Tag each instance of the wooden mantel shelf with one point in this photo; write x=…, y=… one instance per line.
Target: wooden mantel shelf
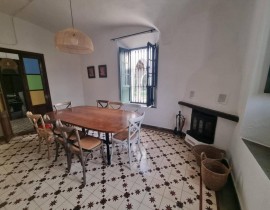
x=224, y=115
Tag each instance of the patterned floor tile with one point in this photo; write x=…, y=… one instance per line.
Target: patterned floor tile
x=152, y=200
x=129, y=204
x=115, y=199
x=167, y=204
x=93, y=203
x=166, y=176
x=190, y=201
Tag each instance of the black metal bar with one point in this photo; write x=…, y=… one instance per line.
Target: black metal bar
x=107, y=142
x=211, y=111
x=143, y=32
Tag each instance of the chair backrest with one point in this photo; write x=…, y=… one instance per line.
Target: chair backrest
x=131, y=107
x=62, y=105
x=143, y=109
x=102, y=103
x=36, y=119
x=38, y=124
x=59, y=126
x=67, y=132
x=115, y=105
x=134, y=127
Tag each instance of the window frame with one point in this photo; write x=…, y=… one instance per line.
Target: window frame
x=151, y=73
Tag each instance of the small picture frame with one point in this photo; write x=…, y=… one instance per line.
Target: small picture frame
x=102, y=71
x=91, y=72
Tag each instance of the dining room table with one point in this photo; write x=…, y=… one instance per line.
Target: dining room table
x=103, y=120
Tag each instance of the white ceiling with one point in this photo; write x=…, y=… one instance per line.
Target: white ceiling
x=92, y=15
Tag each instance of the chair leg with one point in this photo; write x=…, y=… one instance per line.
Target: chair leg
x=67, y=154
x=102, y=153
x=112, y=150
x=129, y=155
x=56, y=150
x=83, y=167
x=48, y=147
x=69, y=160
x=140, y=148
x=39, y=144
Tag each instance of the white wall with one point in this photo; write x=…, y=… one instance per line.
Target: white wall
x=210, y=47
x=252, y=185
x=197, y=51
x=63, y=70
x=256, y=122
x=201, y=49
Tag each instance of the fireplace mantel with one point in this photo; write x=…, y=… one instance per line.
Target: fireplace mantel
x=224, y=115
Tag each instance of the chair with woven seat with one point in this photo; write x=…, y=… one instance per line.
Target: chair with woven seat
x=129, y=135
x=131, y=107
x=114, y=105
x=62, y=105
x=81, y=147
x=55, y=124
x=43, y=130
x=102, y=103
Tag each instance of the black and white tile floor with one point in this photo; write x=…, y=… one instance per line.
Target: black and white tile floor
x=166, y=177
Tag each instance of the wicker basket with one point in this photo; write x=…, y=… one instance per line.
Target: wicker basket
x=214, y=173
x=210, y=152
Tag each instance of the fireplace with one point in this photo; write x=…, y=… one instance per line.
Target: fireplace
x=203, y=126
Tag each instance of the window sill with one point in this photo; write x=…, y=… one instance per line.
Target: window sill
x=261, y=154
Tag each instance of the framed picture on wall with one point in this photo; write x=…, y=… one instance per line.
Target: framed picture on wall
x=91, y=71
x=102, y=71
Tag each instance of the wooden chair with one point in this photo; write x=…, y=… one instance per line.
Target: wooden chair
x=129, y=135
x=80, y=147
x=131, y=107
x=55, y=124
x=62, y=105
x=43, y=130
x=102, y=103
x=114, y=105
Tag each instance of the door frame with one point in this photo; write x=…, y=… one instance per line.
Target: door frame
x=40, y=57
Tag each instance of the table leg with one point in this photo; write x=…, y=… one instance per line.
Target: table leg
x=108, y=148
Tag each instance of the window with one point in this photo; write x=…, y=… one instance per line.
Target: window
x=138, y=74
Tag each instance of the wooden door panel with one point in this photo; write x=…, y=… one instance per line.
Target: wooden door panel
x=35, y=81
x=38, y=94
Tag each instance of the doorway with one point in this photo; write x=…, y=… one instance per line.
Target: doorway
x=24, y=87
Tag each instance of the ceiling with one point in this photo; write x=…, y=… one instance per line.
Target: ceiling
x=91, y=15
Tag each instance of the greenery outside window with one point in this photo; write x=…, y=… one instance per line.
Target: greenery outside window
x=138, y=74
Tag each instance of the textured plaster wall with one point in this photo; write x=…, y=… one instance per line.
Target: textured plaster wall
x=252, y=184
x=63, y=70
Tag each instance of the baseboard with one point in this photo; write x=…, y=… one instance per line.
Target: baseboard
x=157, y=128
x=227, y=198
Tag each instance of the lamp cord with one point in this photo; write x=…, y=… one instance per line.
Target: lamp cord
x=71, y=14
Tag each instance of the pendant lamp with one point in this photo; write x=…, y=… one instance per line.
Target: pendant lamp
x=7, y=63
x=71, y=40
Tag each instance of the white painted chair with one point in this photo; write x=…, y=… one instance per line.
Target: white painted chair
x=130, y=107
x=114, y=105
x=129, y=135
x=62, y=105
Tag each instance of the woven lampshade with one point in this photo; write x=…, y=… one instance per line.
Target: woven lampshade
x=7, y=63
x=71, y=40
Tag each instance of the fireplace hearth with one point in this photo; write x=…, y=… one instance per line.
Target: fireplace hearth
x=203, y=127
x=203, y=124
